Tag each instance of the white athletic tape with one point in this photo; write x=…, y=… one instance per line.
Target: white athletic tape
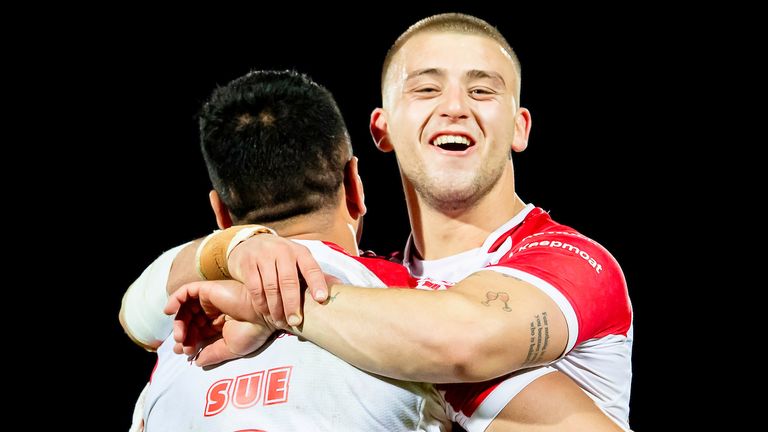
x=145, y=300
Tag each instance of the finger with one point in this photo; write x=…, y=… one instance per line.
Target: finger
x=199, y=319
x=252, y=281
x=180, y=325
x=189, y=345
x=247, y=270
x=194, y=307
x=312, y=273
x=290, y=289
x=185, y=294
x=179, y=331
x=178, y=348
x=214, y=353
x=268, y=271
x=175, y=300
x=256, y=291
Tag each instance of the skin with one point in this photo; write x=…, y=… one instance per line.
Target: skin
x=432, y=93
x=455, y=200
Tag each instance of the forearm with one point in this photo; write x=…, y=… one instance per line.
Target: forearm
x=184, y=268
x=443, y=336
x=367, y=329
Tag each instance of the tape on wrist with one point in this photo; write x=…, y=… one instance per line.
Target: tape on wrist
x=246, y=233
x=212, y=254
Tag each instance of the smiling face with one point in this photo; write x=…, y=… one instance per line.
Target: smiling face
x=451, y=114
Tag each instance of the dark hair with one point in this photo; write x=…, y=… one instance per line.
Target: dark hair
x=275, y=145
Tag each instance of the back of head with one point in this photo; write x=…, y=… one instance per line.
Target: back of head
x=449, y=23
x=275, y=145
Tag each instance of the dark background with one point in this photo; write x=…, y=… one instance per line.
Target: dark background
x=596, y=157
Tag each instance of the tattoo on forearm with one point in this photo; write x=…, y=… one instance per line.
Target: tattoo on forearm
x=330, y=299
x=539, y=339
x=497, y=295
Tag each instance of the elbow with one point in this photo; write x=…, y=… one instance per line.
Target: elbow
x=470, y=362
x=479, y=352
x=462, y=365
x=471, y=356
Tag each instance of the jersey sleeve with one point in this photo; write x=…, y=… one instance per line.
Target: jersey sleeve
x=392, y=274
x=475, y=405
x=145, y=300
x=580, y=275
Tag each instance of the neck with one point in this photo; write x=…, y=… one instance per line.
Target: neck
x=325, y=227
x=438, y=234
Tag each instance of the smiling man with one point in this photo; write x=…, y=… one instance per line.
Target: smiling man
x=524, y=291
x=510, y=288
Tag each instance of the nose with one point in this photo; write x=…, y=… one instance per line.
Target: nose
x=454, y=104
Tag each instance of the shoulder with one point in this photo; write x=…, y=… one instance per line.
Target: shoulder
x=387, y=268
x=539, y=237
x=564, y=262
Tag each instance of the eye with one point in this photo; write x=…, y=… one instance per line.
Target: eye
x=427, y=90
x=481, y=92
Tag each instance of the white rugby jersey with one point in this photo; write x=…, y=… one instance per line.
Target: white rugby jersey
x=293, y=385
x=583, y=279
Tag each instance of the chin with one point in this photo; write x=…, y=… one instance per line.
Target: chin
x=450, y=197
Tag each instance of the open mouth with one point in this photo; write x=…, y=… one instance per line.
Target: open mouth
x=456, y=143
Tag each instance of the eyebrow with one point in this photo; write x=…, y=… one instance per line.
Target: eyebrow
x=426, y=71
x=472, y=74
x=481, y=74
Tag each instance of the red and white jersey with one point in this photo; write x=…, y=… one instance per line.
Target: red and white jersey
x=583, y=279
x=293, y=385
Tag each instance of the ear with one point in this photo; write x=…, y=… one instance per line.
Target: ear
x=353, y=188
x=379, y=130
x=522, y=129
x=223, y=218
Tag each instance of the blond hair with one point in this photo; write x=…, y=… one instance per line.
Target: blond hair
x=450, y=23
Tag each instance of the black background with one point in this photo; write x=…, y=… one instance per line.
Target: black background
x=593, y=87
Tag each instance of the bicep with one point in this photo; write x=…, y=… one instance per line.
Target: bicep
x=141, y=312
x=552, y=402
x=522, y=325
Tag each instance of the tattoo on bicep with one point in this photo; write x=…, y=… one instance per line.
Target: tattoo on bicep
x=497, y=295
x=539, y=339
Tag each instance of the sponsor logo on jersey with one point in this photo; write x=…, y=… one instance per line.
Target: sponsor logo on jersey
x=562, y=245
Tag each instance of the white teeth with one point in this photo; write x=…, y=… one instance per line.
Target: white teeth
x=451, y=139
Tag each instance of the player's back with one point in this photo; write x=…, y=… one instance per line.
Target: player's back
x=291, y=384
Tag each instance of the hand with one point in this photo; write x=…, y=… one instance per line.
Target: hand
x=267, y=265
x=215, y=320
x=192, y=328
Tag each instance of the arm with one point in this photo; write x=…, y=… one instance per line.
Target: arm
x=183, y=270
x=548, y=400
x=552, y=402
x=485, y=326
x=141, y=312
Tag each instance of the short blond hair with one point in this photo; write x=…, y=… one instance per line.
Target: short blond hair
x=450, y=23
